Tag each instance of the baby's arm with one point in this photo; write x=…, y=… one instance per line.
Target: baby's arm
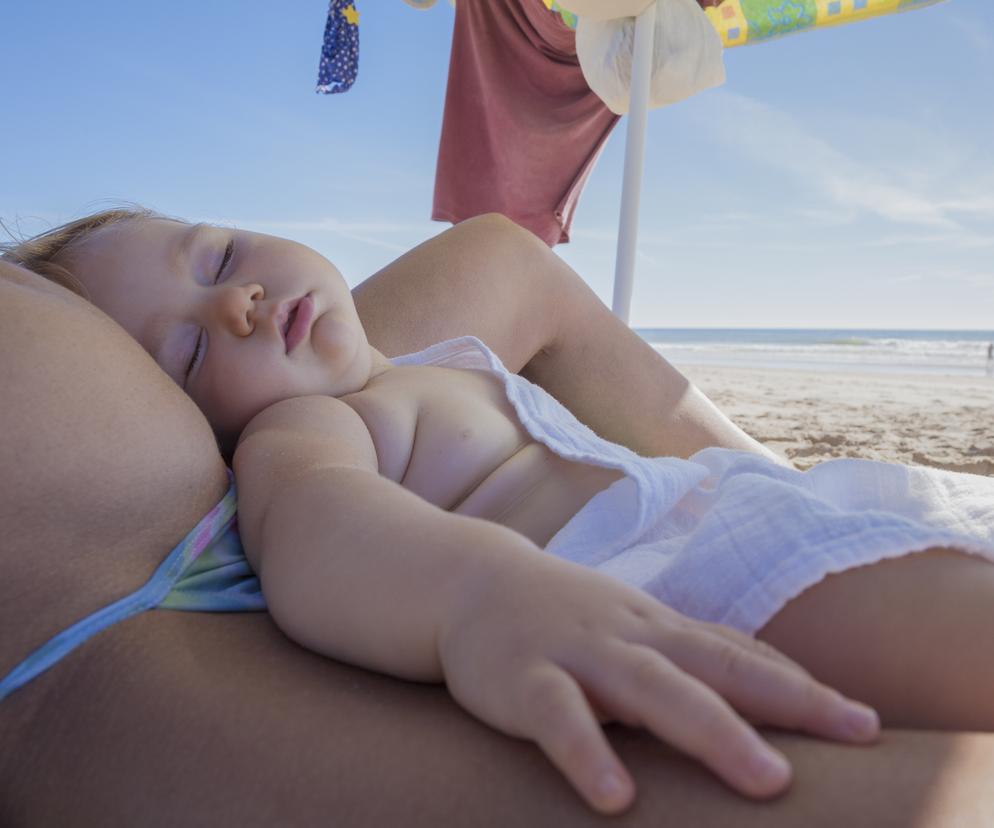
x=356, y=567
x=353, y=565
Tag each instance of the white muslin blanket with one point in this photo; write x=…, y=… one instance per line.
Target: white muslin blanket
x=729, y=536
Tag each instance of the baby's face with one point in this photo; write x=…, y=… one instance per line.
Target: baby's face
x=239, y=320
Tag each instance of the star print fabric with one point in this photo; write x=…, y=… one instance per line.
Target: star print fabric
x=340, y=50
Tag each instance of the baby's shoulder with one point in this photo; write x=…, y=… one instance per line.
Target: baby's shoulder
x=301, y=418
x=390, y=406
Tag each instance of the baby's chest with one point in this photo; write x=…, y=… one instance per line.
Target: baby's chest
x=439, y=431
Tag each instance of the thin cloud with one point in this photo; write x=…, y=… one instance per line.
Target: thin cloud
x=595, y=233
x=980, y=206
x=824, y=217
x=981, y=280
x=978, y=279
x=773, y=138
x=964, y=240
x=369, y=233
x=904, y=279
x=973, y=33
x=642, y=256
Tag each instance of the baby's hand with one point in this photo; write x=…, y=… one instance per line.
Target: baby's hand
x=546, y=648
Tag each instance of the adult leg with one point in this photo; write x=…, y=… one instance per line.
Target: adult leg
x=912, y=637
x=490, y=278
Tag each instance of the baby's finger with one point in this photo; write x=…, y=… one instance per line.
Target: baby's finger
x=558, y=717
x=643, y=688
x=767, y=689
x=754, y=645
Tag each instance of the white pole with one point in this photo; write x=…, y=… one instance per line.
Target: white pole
x=638, y=108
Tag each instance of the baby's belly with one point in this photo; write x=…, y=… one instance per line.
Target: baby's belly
x=536, y=492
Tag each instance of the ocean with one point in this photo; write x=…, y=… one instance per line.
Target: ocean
x=959, y=353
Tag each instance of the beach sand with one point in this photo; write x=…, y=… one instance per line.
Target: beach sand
x=941, y=421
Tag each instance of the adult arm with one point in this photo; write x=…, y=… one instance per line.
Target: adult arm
x=490, y=278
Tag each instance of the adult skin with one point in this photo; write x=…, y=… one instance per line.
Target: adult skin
x=184, y=718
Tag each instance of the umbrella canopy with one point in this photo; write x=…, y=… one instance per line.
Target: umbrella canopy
x=750, y=21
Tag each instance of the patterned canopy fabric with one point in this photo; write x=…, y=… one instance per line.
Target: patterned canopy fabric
x=737, y=21
x=750, y=21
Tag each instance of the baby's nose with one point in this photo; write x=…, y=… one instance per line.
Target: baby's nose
x=237, y=306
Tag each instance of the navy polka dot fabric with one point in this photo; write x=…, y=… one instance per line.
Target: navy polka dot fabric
x=340, y=50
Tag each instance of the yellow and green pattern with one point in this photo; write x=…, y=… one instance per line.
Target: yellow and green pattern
x=750, y=21
x=568, y=17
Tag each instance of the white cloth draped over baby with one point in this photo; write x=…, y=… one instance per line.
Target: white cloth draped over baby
x=729, y=536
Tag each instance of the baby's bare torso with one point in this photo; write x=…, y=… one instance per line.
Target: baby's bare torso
x=451, y=437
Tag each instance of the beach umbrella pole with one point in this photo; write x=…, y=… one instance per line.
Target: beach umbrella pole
x=638, y=109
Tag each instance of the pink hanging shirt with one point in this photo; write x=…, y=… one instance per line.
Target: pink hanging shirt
x=521, y=129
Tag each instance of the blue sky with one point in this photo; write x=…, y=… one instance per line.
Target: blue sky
x=840, y=178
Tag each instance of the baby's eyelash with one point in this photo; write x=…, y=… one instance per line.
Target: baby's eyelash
x=228, y=251
x=197, y=351
x=199, y=348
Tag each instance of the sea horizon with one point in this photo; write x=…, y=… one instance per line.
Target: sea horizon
x=863, y=350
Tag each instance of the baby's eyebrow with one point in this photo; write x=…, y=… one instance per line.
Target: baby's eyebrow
x=181, y=252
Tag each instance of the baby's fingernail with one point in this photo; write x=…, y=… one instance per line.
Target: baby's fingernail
x=610, y=786
x=768, y=767
x=861, y=722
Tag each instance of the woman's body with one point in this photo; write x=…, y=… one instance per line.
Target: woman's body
x=182, y=705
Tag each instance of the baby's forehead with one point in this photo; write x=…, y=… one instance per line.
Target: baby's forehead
x=129, y=227
x=144, y=228
x=143, y=236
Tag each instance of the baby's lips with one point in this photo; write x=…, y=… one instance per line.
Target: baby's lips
x=300, y=318
x=282, y=316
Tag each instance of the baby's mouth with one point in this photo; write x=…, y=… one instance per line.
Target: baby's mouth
x=284, y=320
x=289, y=320
x=298, y=322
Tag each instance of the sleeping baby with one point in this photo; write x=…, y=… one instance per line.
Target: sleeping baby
x=438, y=518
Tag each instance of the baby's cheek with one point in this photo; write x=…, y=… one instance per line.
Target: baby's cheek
x=242, y=389
x=254, y=389
x=232, y=398
x=335, y=335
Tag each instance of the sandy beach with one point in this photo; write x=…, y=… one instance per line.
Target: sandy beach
x=941, y=421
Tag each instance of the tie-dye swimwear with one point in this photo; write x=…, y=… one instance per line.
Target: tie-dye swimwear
x=206, y=572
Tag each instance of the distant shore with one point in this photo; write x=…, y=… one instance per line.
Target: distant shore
x=942, y=421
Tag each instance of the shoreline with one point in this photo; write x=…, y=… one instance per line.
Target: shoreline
x=942, y=421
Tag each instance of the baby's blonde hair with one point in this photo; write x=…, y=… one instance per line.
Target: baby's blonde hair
x=47, y=254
